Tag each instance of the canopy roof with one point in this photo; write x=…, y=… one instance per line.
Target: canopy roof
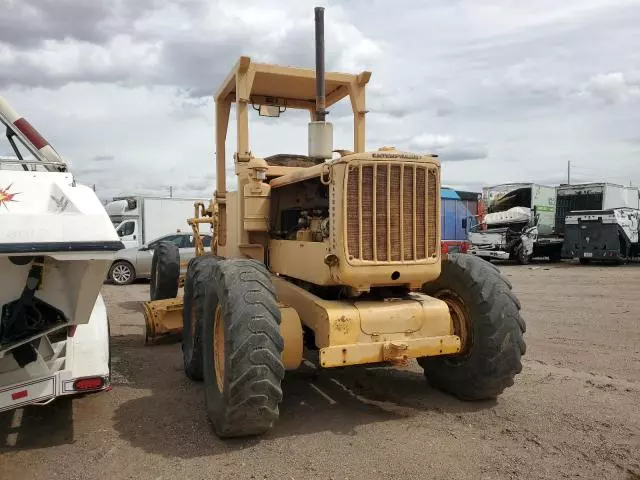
x=291, y=86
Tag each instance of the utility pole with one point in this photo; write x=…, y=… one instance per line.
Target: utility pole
x=568, y=172
x=170, y=191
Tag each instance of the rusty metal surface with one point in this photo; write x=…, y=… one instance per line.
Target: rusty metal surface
x=162, y=318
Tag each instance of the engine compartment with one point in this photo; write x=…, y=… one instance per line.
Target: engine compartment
x=300, y=211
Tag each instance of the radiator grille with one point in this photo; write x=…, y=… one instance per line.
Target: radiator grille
x=391, y=212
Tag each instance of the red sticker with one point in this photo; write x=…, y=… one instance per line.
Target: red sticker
x=19, y=395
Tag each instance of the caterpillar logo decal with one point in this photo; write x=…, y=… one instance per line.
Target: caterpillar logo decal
x=6, y=196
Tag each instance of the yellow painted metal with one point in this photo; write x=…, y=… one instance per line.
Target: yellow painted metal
x=289, y=83
x=407, y=270
x=203, y=215
x=250, y=82
x=346, y=331
x=299, y=175
x=256, y=206
x=370, y=331
x=228, y=237
x=292, y=258
x=218, y=349
x=392, y=351
x=291, y=331
x=162, y=317
x=459, y=316
x=252, y=250
x=276, y=171
x=395, y=316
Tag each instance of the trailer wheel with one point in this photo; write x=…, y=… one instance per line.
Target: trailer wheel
x=486, y=316
x=241, y=346
x=165, y=271
x=199, y=275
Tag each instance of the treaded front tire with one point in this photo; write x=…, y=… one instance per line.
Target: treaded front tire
x=199, y=275
x=492, y=336
x=165, y=271
x=241, y=345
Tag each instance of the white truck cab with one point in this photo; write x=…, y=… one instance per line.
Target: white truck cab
x=140, y=219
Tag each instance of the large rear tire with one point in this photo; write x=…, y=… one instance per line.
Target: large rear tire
x=241, y=345
x=165, y=271
x=199, y=275
x=486, y=315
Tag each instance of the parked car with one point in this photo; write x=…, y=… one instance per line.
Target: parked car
x=133, y=263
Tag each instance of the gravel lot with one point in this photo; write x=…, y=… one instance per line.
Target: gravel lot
x=574, y=411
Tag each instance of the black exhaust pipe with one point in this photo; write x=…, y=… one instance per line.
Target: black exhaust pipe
x=320, y=95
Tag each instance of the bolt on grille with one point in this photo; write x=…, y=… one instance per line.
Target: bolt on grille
x=391, y=212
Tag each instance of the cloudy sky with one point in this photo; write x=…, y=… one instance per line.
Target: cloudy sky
x=502, y=90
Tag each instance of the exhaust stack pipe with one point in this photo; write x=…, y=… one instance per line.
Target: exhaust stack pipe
x=320, y=90
x=320, y=131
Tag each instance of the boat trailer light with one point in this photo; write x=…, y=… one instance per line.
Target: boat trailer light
x=89, y=383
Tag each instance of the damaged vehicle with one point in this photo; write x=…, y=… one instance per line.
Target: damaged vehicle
x=519, y=224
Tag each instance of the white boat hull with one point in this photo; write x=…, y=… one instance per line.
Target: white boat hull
x=60, y=232
x=56, y=245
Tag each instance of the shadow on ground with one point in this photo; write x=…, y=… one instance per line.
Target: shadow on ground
x=132, y=306
x=37, y=426
x=170, y=419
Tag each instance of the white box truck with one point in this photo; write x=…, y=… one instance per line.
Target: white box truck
x=593, y=196
x=140, y=219
x=599, y=221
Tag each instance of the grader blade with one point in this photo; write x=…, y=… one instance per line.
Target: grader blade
x=163, y=319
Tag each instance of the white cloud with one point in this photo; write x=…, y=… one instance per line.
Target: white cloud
x=501, y=91
x=449, y=148
x=615, y=87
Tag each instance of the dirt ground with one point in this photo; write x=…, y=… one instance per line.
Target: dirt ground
x=574, y=411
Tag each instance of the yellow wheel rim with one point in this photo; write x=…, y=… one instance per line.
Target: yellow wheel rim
x=218, y=348
x=192, y=323
x=459, y=317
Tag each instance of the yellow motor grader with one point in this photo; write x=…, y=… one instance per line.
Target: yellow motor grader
x=336, y=253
